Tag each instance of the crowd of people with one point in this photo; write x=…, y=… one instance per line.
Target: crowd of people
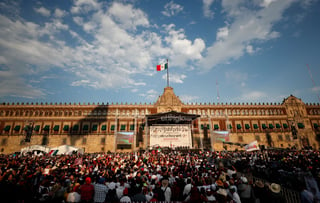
x=155, y=176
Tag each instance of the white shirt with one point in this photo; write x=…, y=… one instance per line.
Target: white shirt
x=73, y=197
x=125, y=199
x=236, y=198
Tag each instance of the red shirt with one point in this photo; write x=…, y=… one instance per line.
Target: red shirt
x=86, y=192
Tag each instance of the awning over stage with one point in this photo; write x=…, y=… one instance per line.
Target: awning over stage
x=171, y=117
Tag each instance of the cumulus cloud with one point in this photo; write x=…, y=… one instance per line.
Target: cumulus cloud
x=181, y=48
x=59, y=13
x=43, y=11
x=127, y=16
x=85, y=6
x=171, y=9
x=207, y=12
x=245, y=26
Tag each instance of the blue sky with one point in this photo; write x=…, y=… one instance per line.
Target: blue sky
x=107, y=51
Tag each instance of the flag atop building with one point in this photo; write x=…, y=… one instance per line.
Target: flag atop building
x=162, y=66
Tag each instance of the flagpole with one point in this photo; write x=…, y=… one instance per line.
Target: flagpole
x=167, y=73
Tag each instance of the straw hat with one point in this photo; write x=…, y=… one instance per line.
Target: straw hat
x=275, y=188
x=259, y=184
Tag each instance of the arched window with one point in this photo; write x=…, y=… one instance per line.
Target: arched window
x=66, y=113
x=79, y=113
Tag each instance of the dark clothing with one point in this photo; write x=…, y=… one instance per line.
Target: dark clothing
x=86, y=192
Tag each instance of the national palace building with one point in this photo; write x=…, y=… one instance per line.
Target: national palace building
x=167, y=122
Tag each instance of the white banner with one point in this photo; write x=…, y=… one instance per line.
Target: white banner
x=252, y=146
x=170, y=135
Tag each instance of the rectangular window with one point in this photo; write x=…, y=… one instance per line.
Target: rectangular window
x=288, y=138
x=66, y=128
x=103, y=141
x=131, y=127
x=104, y=127
x=240, y=138
x=123, y=127
x=216, y=126
x=94, y=127
x=258, y=138
x=255, y=126
x=112, y=128
x=75, y=127
x=280, y=138
x=85, y=127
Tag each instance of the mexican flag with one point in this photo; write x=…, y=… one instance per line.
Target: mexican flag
x=163, y=66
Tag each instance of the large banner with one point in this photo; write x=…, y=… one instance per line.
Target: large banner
x=221, y=136
x=125, y=138
x=170, y=135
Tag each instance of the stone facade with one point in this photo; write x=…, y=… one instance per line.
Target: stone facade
x=93, y=126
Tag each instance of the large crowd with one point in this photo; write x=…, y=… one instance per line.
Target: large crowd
x=155, y=176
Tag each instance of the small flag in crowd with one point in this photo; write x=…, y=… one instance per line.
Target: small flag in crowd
x=162, y=67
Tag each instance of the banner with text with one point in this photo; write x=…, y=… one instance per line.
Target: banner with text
x=170, y=135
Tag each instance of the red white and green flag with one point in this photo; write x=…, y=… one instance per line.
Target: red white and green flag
x=162, y=67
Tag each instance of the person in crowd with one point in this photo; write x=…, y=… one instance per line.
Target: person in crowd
x=100, y=191
x=74, y=195
x=274, y=194
x=187, y=190
x=87, y=191
x=125, y=197
x=235, y=196
x=245, y=191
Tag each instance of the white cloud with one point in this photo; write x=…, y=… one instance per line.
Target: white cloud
x=84, y=6
x=266, y=3
x=245, y=26
x=59, y=13
x=181, y=48
x=207, y=12
x=222, y=33
x=127, y=16
x=171, y=9
x=43, y=11
x=175, y=78
x=249, y=49
x=13, y=85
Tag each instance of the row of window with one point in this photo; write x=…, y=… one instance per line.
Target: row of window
x=134, y=112
x=236, y=112
x=67, y=128
x=74, y=113
x=256, y=126
x=258, y=138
